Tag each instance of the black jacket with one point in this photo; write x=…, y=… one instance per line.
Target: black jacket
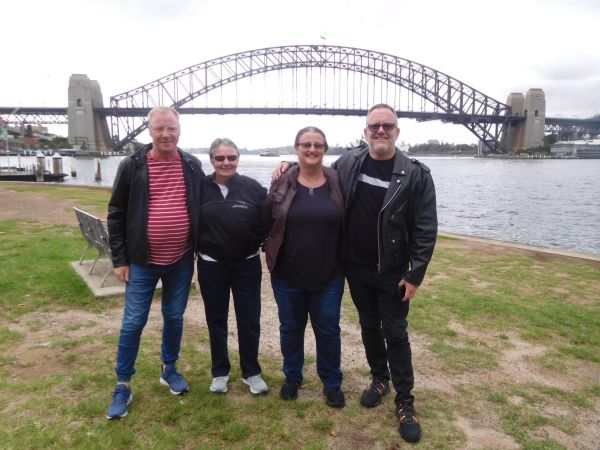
x=128, y=206
x=407, y=221
x=231, y=228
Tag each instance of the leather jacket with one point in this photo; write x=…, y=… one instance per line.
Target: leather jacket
x=407, y=221
x=128, y=206
x=278, y=203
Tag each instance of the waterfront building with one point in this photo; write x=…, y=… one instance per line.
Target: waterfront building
x=582, y=149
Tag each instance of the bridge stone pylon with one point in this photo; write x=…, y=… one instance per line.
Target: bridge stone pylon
x=86, y=128
x=530, y=132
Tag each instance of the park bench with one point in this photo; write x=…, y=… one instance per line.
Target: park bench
x=96, y=236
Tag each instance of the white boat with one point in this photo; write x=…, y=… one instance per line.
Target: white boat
x=269, y=153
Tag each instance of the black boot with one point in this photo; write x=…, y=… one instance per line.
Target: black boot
x=409, y=427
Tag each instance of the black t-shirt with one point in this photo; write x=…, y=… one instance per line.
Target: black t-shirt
x=310, y=254
x=373, y=182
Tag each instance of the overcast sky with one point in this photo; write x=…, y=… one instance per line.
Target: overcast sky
x=495, y=47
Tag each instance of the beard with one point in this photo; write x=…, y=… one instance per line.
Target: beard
x=381, y=149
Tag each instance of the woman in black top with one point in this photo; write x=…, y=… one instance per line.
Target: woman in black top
x=303, y=252
x=229, y=240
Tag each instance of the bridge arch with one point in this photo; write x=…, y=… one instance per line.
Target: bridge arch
x=460, y=103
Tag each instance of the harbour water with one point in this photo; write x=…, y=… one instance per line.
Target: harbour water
x=548, y=203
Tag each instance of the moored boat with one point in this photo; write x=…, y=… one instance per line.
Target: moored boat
x=269, y=153
x=21, y=175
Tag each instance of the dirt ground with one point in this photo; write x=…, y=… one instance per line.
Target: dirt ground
x=36, y=355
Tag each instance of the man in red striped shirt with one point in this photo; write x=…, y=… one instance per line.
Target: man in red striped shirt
x=152, y=224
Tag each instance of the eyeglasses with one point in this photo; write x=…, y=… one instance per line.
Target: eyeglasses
x=221, y=158
x=387, y=127
x=307, y=145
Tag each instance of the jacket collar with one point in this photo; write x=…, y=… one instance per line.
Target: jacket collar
x=140, y=155
x=233, y=180
x=291, y=175
x=401, y=165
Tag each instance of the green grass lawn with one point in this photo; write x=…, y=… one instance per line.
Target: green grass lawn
x=474, y=311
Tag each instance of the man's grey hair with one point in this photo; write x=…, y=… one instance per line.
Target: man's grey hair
x=221, y=141
x=382, y=106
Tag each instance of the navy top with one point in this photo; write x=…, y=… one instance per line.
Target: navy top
x=310, y=254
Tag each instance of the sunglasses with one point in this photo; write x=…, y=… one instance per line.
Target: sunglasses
x=387, y=127
x=307, y=145
x=221, y=158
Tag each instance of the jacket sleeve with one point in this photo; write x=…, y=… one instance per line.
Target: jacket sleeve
x=423, y=229
x=264, y=215
x=266, y=211
x=117, y=214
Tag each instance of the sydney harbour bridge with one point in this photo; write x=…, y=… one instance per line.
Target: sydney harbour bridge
x=307, y=80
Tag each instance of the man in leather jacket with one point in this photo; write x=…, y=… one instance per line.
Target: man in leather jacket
x=152, y=224
x=391, y=234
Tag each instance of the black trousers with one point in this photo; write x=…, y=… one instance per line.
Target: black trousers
x=383, y=325
x=243, y=279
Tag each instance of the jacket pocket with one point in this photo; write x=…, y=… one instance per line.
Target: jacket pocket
x=276, y=200
x=395, y=241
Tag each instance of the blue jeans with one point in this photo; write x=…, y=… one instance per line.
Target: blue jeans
x=176, y=279
x=383, y=325
x=243, y=280
x=295, y=305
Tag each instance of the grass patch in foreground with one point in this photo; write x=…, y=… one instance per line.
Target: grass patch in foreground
x=35, y=268
x=474, y=310
x=497, y=296
x=92, y=199
x=67, y=410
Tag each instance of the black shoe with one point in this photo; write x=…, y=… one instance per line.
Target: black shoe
x=289, y=390
x=371, y=396
x=334, y=397
x=409, y=427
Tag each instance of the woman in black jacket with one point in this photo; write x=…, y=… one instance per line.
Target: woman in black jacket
x=229, y=240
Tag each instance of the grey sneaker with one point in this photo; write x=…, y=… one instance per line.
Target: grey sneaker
x=257, y=385
x=219, y=384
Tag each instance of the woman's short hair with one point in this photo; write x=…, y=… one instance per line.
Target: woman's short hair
x=311, y=129
x=221, y=141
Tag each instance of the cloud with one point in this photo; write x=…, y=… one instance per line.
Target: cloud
x=158, y=9
x=584, y=6
x=568, y=99
x=570, y=69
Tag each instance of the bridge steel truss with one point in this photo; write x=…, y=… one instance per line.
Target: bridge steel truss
x=572, y=129
x=456, y=101
x=34, y=115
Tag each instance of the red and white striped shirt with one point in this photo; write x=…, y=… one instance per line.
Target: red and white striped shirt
x=168, y=216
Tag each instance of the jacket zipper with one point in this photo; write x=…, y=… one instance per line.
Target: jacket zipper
x=379, y=225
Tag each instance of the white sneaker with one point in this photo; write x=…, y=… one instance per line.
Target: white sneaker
x=219, y=384
x=257, y=385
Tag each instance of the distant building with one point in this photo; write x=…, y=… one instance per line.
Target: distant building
x=433, y=142
x=588, y=149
